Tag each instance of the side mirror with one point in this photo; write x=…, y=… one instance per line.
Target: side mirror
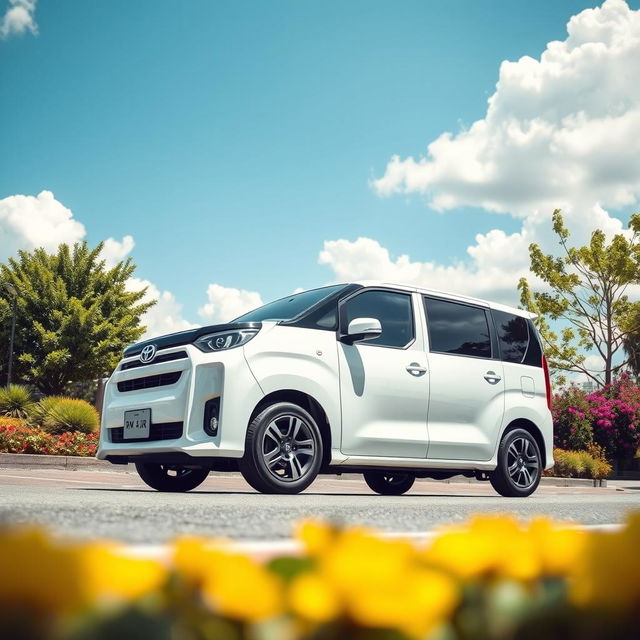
x=360, y=329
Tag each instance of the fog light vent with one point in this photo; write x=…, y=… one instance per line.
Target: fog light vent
x=212, y=416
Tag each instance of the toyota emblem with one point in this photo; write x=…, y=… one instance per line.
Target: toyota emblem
x=148, y=353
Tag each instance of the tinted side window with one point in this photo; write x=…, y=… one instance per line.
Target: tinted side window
x=394, y=310
x=457, y=328
x=534, y=352
x=513, y=335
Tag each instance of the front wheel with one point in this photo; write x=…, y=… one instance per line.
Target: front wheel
x=519, y=465
x=170, y=477
x=389, y=484
x=283, y=450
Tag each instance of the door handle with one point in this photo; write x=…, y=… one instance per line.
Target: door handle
x=415, y=369
x=492, y=377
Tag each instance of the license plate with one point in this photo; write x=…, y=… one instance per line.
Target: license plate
x=137, y=424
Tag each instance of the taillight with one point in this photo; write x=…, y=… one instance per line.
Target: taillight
x=547, y=381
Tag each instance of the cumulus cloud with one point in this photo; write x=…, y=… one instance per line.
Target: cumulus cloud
x=28, y=222
x=560, y=131
x=165, y=316
x=367, y=259
x=19, y=18
x=492, y=269
x=115, y=251
x=227, y=303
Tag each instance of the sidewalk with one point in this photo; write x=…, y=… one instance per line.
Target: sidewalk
x=76, y=463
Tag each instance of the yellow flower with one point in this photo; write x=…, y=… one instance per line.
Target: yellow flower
x=608, y=574
x=500, y=546
x=233, y=585
x=414, y=602
x=110, y=575
x=381, y=583
x=316, y=536
x=237, y=587
x=358, y=557
x=313, y=598
x=190, y=557
x=559, y=546
x=38, y=574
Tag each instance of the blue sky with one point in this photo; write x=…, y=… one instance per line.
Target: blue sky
x=233, y=139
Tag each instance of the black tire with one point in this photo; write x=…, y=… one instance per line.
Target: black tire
x=283, y=450
x=519, y=465
x=388, y=483
x=170, y=477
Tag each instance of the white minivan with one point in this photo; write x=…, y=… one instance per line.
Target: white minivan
x=392, y=381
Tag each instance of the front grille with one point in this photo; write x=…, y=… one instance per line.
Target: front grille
x=160, y=431
x=163, y=357
x=148, y=382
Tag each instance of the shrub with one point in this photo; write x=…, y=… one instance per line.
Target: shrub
x=17, y=436
x=579, y=464
x=15, y=401
x=572, y=419
x=615, y=412
x=609, y=417
x=57, y=414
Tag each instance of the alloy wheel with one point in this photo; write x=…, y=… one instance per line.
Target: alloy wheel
x=288, y=447
x=522, y=463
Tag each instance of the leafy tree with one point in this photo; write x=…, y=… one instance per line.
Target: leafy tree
x=586, y=294
x=631, y=340
x=74, y=316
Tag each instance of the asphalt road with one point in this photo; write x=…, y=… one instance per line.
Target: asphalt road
x=100, y=504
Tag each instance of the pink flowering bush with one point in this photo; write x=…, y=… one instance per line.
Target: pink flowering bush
x=609, y=417
x=572, y=421
x=615, y=411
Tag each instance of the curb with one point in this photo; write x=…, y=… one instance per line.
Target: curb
x=545, y=481
x=71, y=463
x=78, y=463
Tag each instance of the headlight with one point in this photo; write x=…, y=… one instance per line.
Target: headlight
x=225, y=339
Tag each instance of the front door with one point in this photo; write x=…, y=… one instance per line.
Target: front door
x=384, y=386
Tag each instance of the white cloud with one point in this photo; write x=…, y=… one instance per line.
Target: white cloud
x=165, y=316
x=28, y=222
x=115, y=251
x=19, y=18
x=493, y=266
x=227, y=303
x=561, y=131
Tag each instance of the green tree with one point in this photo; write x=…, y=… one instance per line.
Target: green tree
x=585, y=295
x=631, y=341
x=74, y=315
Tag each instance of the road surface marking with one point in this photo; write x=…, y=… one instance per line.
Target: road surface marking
x=47, y=479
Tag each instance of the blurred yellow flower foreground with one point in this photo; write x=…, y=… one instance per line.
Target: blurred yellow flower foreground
x=494, y=578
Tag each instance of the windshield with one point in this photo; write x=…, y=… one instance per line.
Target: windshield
x=289, y=307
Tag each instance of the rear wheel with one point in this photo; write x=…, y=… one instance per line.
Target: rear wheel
x=170, y=477
x=519, y=465
x=388, y=483
x=283, y=450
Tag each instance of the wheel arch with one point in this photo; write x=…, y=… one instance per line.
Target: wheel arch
x=533, y=429
x=310, y=404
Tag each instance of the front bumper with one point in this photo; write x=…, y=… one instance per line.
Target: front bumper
x=176, y=392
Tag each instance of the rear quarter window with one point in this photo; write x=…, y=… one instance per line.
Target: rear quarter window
x=517, y=339
x=513, y=335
